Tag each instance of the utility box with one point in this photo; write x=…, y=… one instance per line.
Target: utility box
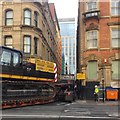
x=112, y=94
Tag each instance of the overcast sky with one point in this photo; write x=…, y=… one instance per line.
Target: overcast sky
x=65, y=8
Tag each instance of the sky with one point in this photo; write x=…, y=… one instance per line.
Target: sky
x=65, y=8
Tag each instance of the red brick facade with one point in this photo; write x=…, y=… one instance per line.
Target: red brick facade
x=102, y=21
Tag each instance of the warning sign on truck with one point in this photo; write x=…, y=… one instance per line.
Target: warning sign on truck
x=45, y=66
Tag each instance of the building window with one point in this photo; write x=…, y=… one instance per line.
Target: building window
x=8, y=41
x=9, y=17
x=35, y=45
x=35, y=19
x=115, y=38
x=92, y=5
x=115, y=7
x=92, y=70
x=27, y=44
x=27, y=17
x=115, y=70
x=91, y=39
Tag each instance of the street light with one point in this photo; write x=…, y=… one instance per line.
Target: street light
x=103, y=88
x=102, y=77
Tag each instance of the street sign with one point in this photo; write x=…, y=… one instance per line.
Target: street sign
x=67, y=77
x=81, y=76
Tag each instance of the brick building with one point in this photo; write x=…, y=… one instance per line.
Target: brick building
x=59, y=39
x=30, y=28
x=99, y=42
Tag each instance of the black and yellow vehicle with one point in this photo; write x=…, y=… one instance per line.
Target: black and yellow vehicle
x=24, y=83
x=65, y=91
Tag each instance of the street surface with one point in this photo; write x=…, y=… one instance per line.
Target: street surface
x=80, y=109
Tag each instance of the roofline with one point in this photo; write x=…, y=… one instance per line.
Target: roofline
x=12, y=49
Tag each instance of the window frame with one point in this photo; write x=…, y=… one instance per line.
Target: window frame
x=89, y=39
x=113, y=38
x=118, y=75
x=92, y=2
x=36, y=19
x=35, y=45
x=115, y=8
x=27, y=17
x=27, y=45
x=8, y=18
x=10, y=45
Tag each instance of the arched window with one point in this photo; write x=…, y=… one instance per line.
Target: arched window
x=27, y=17
x=9, y=17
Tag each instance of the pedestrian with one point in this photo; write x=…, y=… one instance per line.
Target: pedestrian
x=96, y=91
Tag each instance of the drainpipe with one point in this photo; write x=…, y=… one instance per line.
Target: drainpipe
x=1, y=21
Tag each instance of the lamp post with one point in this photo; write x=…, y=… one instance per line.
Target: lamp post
x=102, y=76
x=103, y=89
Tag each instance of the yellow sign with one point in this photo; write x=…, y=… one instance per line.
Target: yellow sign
x=40, y=65
x=80, y=76
x=45, y=66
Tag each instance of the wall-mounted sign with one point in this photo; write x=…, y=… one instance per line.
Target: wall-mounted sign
x=67, y=77
x=81, y=76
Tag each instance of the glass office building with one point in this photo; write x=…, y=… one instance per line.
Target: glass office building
x=67, y=30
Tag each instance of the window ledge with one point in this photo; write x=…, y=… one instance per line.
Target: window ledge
x=8, y=26
x=90, y=49
x=116, y=48
x=116, y=79
x=115, y=16
x=30, y=26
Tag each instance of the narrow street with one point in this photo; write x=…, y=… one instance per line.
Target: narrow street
x=80, y=109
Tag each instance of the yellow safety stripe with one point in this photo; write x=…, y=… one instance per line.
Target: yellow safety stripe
x=24, y=77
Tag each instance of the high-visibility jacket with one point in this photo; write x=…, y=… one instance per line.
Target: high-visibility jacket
x=96, y=90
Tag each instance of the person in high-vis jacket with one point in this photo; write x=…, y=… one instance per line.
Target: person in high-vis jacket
x=96, y=91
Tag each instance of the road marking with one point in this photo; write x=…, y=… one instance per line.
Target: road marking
x=29, y=116
x=113, y=114
x=63, y=103
x=84, y=117
x=67, y=104
x=50, y=116
x=85, y=112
